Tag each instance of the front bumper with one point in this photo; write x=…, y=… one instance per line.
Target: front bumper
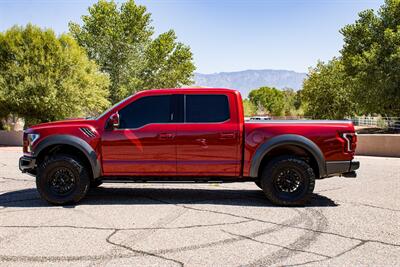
x=27, y=164
x=346, y=168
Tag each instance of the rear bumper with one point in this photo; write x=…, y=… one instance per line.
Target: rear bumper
x=345, y=168
x=27, y=164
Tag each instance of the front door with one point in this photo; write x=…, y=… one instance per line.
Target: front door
x=144, y=144
x=208, y=140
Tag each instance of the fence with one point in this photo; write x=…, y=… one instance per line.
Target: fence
x=379, y=122
x=280, y=117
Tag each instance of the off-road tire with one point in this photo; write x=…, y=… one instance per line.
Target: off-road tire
x=288, y=167
x=75, y=172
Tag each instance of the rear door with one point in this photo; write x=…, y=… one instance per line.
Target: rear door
x=208, y=140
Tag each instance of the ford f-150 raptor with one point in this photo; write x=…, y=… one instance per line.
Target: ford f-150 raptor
x=186, y=135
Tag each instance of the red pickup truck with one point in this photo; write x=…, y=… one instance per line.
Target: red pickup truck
x=186, y=135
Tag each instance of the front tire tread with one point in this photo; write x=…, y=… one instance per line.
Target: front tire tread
x=82, y=179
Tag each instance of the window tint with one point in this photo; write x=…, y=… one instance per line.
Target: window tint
x=207, y=108
x=150, y=109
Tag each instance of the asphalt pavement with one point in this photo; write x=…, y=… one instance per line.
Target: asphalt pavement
x=348, y=222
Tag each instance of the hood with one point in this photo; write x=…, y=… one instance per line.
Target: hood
x=63, y=123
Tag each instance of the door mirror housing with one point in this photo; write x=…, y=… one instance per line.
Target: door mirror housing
x=113, y=121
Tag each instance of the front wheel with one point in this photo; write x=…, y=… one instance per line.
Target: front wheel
x=288, y=181
x=62, y=179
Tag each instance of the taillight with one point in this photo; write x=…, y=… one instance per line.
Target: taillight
x=351, y=141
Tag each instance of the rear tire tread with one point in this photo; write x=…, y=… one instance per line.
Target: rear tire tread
x=267, y=185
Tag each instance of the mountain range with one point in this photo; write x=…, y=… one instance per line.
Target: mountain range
x=247, y=80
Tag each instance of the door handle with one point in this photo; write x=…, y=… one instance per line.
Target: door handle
x=227, y=135
x=203, y=142
x=166, y=136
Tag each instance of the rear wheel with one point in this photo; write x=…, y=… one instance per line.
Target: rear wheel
x=288, y=181
x=62, y=179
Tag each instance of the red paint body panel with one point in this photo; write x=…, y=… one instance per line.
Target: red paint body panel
x=191, y=149
x=325, y=136
x=210, y=149
x=68, y=127
x=144, y=151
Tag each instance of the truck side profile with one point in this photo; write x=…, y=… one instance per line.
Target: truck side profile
x=186, y=135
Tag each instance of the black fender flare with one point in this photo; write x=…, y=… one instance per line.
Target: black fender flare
x=78, y=143
x=288, y=139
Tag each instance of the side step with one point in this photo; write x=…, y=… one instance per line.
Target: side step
x=159, y=182
x=174, y=180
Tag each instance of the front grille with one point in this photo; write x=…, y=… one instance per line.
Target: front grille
x=88, y=132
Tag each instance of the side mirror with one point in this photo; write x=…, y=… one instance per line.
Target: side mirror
x=113, y=121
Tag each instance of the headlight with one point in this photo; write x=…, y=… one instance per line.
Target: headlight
x=31, y=139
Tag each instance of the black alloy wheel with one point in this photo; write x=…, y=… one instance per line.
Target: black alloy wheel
x=288, y=181
x=62, y=179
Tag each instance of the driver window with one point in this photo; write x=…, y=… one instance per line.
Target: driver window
x=146, y=110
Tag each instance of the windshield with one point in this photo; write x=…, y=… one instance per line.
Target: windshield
x=110, y=108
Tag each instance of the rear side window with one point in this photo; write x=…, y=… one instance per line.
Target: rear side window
x=146, y=110
x=207, y=108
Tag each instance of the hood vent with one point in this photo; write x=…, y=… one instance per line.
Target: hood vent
x=88, y=132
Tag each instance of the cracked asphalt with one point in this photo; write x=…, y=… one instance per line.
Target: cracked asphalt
x=348, y=222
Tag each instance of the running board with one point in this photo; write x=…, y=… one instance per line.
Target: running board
x=170, y=181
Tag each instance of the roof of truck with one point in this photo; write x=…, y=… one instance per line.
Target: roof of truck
x=196, y=89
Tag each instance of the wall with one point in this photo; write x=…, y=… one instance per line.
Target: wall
x=11, y=138
x=384, y=145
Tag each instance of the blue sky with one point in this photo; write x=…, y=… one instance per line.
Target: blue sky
x=224, y=35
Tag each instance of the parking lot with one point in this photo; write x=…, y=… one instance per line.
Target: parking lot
x=348, y=222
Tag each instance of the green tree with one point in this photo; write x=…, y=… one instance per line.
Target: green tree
x=119, y=39
x=327, y=93
x=249, y=108
x=371, y=57
x=44, y=77
x=297, y=103
x=269, y=100
x=292, y=102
